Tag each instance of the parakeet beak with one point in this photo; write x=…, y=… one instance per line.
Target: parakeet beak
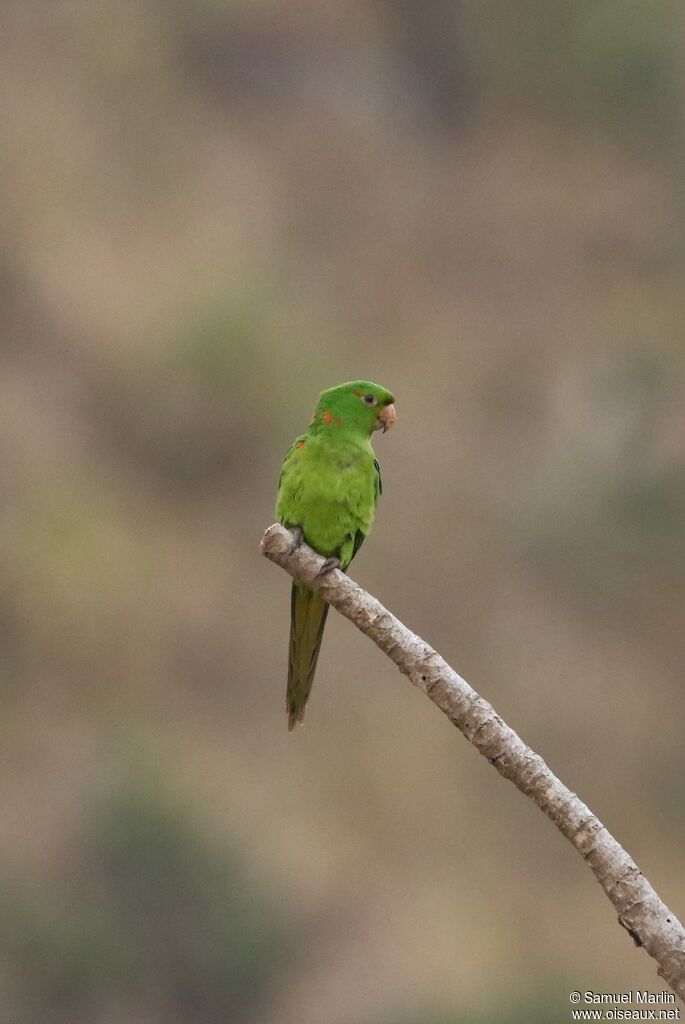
x=386, y=417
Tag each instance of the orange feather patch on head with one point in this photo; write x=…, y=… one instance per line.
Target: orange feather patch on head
x=301, y=444
x=329, y=418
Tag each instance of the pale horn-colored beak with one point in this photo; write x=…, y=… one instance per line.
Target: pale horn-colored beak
x=387, y=417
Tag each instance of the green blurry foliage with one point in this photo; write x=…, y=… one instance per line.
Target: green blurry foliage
x=653, y=509
x=611, y=508
x=201, y=403
x=613, y=63
x=184, y=410
x=151, y=919
x=644, y=502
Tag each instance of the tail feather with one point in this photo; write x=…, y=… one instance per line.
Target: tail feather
x=308, y=614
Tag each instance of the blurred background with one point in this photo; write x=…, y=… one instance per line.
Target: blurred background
x=211, y=212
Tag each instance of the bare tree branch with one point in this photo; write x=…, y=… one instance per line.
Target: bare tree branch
x=640, y=911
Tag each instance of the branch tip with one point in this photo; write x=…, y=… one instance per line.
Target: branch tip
x=645, y=917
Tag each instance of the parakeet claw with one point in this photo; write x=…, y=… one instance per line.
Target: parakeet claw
x=298, y=537
x=329, y=565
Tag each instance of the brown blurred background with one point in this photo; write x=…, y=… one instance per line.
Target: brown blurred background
x=212, y=211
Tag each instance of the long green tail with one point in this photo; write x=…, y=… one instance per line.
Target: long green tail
x=308, y=614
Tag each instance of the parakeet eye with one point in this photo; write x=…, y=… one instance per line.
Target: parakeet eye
x=370, y=399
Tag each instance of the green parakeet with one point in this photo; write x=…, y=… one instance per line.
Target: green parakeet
x=327, y=494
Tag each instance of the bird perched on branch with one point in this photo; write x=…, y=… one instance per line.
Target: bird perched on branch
x=327, y=494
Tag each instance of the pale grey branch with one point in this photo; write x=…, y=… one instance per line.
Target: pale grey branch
x=640, y=911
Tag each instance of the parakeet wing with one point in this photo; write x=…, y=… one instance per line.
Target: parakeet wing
x=360, y=536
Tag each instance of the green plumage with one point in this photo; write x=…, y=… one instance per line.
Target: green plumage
x=329, y=486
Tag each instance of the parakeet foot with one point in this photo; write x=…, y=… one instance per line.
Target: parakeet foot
x=298, y=537
x=329, y=565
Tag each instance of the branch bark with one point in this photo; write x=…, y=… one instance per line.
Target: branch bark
x=640, y=911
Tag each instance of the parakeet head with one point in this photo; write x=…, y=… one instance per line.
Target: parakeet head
x=358, y=405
